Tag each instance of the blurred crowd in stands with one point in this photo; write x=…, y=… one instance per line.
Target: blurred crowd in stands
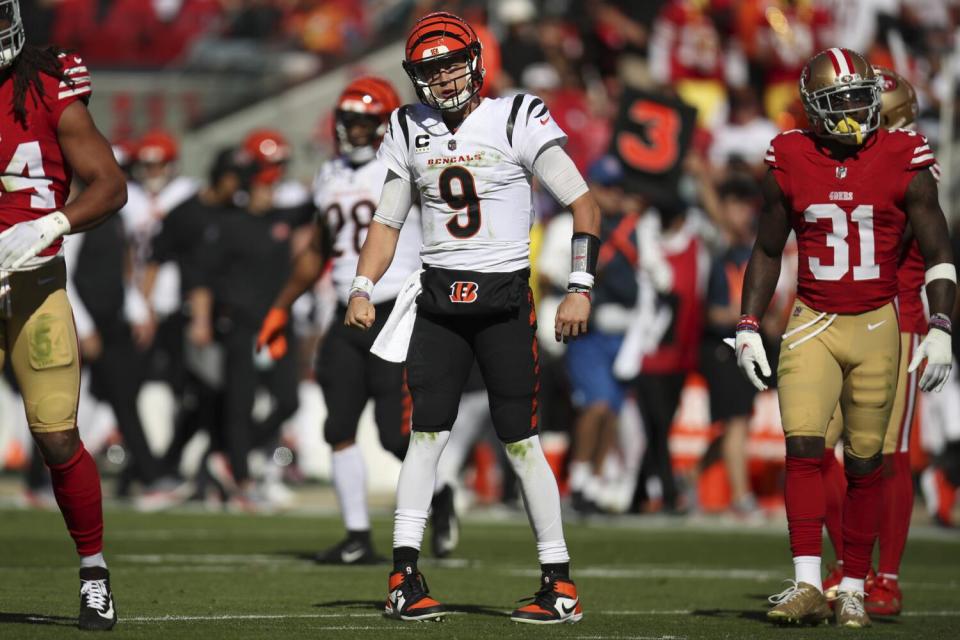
x=669, y=106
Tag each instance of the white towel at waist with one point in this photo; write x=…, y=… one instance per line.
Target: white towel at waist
x=394, y=339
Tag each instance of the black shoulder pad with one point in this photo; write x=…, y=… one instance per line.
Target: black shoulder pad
x=402, y=119
x=517, y=101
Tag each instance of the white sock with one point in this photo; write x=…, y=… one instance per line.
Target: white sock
x=807, y=569
x=471, y=417
x=350, y=483
x=579, y=475
x=540, y=497
x=851, y=584
x=415, y=487
x=96, y=560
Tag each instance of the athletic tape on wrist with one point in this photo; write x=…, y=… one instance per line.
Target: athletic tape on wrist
x=362, y=283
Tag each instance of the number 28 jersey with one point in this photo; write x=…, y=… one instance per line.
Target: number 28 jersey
x=346, y=197
x=848, y=216
x=34, y=174
x=474, y=184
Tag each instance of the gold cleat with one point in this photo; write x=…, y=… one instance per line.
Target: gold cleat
x=850, y=610
x=800, y=603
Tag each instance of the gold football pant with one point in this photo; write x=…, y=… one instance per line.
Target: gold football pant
x=850, y=361
x=897, y=439
x=40, y=339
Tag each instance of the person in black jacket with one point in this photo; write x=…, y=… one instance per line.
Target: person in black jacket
x=247, y=260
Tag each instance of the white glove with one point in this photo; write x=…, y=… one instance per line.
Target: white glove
x=25, y=240
x=749, y=349
x=936, y=350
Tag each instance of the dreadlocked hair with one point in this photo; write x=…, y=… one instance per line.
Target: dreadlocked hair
x=26, y=70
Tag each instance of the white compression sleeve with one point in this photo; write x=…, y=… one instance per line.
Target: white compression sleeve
x=418, y=476
x=395, y=201
x=557, y=172
x=540, y=497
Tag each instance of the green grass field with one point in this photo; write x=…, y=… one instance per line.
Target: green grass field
x=186, y=575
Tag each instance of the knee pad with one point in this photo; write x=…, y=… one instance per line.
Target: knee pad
x=514, y=418
x=336, y=431
x=863, y=446
x=434, y=412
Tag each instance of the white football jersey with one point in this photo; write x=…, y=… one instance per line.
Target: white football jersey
x=476, y=199
x=346, y=197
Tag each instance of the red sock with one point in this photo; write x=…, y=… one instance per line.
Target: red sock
x=897, y=508
x=803, y=494
x=76, y=485
x=834, y=488
x=861, y=520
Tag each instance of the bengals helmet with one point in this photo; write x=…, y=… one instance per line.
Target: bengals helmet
x=841, y=95
x=898, y=102
x=157, y=147
x=12, y=36
x=440, y=40
x=370, y=98
x=270, y=152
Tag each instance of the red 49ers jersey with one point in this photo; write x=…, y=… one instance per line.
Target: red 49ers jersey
x=34, y=176
x=848, y=216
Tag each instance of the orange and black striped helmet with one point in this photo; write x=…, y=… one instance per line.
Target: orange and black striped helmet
x=443, y=41
x=370, y=98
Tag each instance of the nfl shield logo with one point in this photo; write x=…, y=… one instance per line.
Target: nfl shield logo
x=452, y=145
x=841, y=173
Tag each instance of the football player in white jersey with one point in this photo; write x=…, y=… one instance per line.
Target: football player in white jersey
x=346, y=190
x=472, y=159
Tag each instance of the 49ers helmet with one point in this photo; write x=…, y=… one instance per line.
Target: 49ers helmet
x=841, y=95
x=898, y=100
x=369, y=97
x=12, y=36
x=439, y=39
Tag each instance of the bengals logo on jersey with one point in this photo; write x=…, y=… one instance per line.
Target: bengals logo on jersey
x=462, y=292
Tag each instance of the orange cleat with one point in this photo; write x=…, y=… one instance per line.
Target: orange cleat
x=884, y=597
x=408, y=599
x=556, y=602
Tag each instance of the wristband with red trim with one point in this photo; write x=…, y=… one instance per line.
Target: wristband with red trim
x=748, y=323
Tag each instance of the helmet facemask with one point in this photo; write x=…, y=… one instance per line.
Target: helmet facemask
x=372, y=128
x=847, y=112
x=428, y=78
x=12, y=37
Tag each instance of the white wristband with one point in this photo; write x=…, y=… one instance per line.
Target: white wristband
x=362, y=283
x=580, y=279
x=942, y=271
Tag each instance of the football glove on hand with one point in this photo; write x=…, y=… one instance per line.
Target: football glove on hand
x=750, y=353
x=936, y=350
x=25, y=240
x=272, y=333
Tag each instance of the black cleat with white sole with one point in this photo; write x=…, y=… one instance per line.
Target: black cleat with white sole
x=97, y=610
x=352, y=550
